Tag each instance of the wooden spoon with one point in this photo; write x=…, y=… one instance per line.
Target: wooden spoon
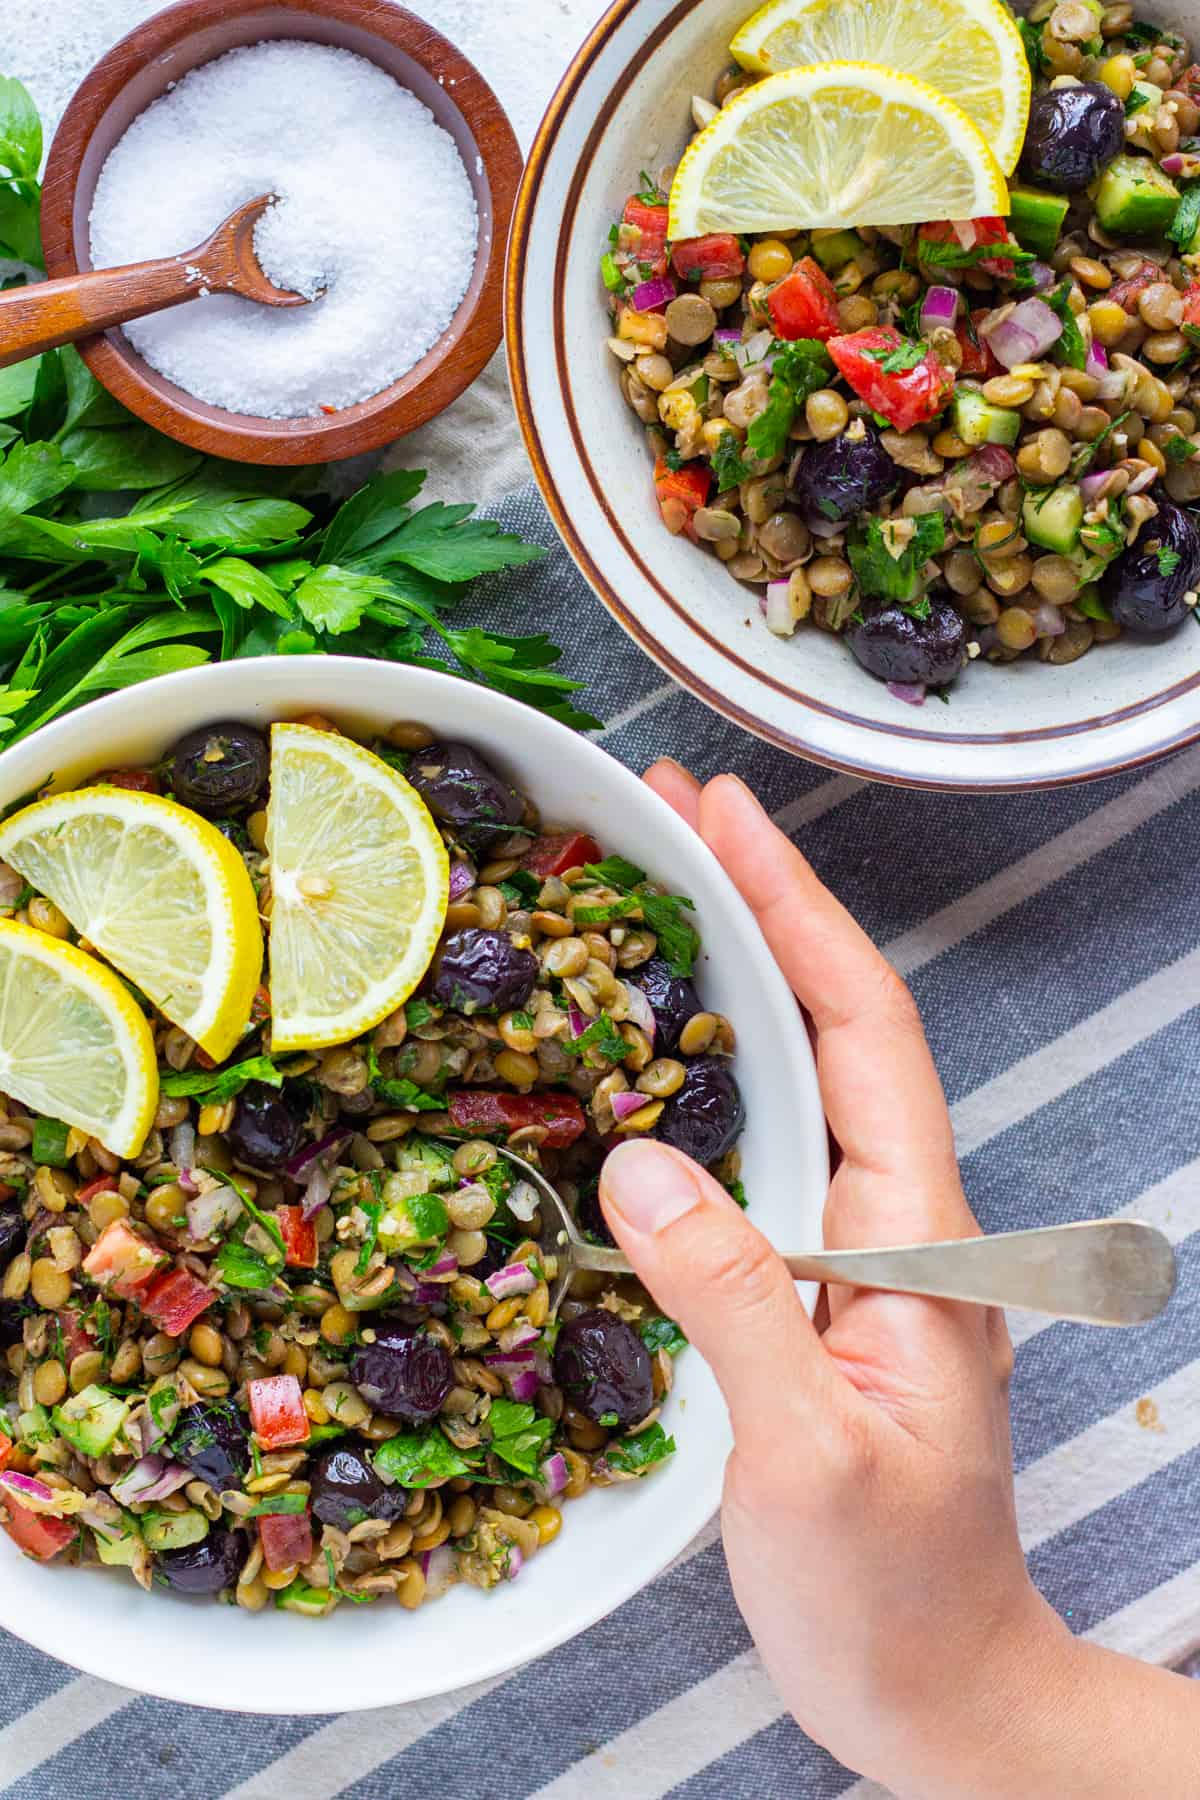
x=50, y=313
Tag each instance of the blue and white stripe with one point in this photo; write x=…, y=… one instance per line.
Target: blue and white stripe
x=1053, y=944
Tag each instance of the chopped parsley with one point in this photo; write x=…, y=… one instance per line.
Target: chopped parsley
x=727, y=463
x=374, y=1212
x=1168, y=560
x=522, y=1021
x=798, y=369
x=1085, y=454
x=49, y=1144
x=519, y=1436
x=600, y=1039
x=662, y=1334
x=608, y=1420
x=634, y=1455
x=615, y=871
x=1186, y=223
x=889, y=562
x=419, y=1012
x=1070, y=346
x=897, y=359
x=678, y=941
x=421, y=1459
x=1179, y=449
x=951, y=254
x=1134, y=102
x=1035, y=54
x=673, y=461
x=648, y=192
x=210, y=1088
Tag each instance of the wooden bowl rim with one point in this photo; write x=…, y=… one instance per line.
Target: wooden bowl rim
x=451, y=364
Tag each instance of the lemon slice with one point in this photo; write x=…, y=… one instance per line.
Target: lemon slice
x=360, y=881
x=159, y=892
x=839, y=144
x=970, y=50
x=73, y=1042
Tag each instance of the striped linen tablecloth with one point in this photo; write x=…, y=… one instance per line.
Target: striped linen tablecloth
x=1053, y=944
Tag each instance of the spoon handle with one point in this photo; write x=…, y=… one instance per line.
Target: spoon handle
x=51, y=313
x=1099, y=1272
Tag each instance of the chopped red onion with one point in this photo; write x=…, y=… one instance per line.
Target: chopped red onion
x=317, y=1190
x=151, y=1478
x=994, y=461
x=512, y=1279
x=724, y=334
x=1048, y=620
x=514, y=1337
x=524, y=1387
x=300, y=1163
x=1092, y=486
x=31, y=1492
x=577, y=1019
x=553, y=1476
x=1111, y=381
x=512, y=1360
x=1141, y=482
x=651, y=295
x=1042, y=276
x=462, y=878
x=211, y=1212
x=939, y=309
x=512, y=1564
x=425, y=1293
x=440, y=1568
x=625, y=1105
x=754, y=351
x=641, y=1013
x=182, y=1149
x=444, y=1269
x=777, y=607
x=911, y=692
x=965, y=232
x=1173, y=164
x=1022, y=335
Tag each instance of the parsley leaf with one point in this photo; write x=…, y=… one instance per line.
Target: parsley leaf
x=600, y=1039
x=211, y=1086
x=798, y=369
x=678, y=941
x=615, y=871
x=1035, y=55
x=951, y=254
x=1134, y=102
x=1178, y=449
x=727, y=463
x=634, y=1455
x=888, y=558
x=519, y=1435
x=1168, y=560
x=421, y=1459
x=1186, y=223
x=662, y=1334
x=1070, y=345
x=896, y=359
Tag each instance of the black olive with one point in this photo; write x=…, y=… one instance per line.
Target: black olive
x=1145, y=587
x=464, y=793
x=12, y=1232
x=212, y=1441
x=13, y=1314
x=843, y=476
x=604, y=1368
x=404, y=1374
x=1072, y=133
x=220, y=768
x=265, y=1132
x=346, y=1490
x=673, y=1001
x=897, y=647
x=705, y=1116
x=207, y=1567
x=483, y=971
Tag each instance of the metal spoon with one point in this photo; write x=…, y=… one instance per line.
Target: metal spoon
x=49, y=313
x=1098, y=1272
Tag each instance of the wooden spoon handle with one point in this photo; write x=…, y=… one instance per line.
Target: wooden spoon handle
x=50, y=313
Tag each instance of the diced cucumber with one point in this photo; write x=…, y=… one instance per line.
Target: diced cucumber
x=411, y=1221
x=1036, y=218
x=119, y=1553
x=978, y=422
x=90, y=1420
x=35, y=1426
x=174, y=1531
x=1135, y=197
x=301, y=1597
x=433, y=1165
x=1053, y=519
x=835, y=251
x=1144, y=96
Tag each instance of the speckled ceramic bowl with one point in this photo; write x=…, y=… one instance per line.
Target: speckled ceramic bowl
x=623, y=106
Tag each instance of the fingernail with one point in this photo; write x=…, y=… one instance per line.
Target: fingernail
x=648, y=1187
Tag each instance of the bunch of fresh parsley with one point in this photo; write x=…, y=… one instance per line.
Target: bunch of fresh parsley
x=124, y=555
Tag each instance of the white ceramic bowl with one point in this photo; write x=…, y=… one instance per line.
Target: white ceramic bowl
x=613, y=1541
x=623, y=106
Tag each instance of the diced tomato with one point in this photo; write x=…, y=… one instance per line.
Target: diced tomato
x=103, y=1184
x=260, y=1006
x=299, y=1236
x=566, y=850
x=804, y=304
x=690, y=483
x=277, y=1411
x=121, y=1261
x=1191, y=304
x=1129, y=291
x=905, y=396
x=175, y=1301
x=717, y=257
x=980, y=231
x=37, y=1534
x=486, y=1113
x=75, y=1335
x=287, y=1539
x=139, y=781
x=6, y=1449
x=977, y=354
x=651, y=221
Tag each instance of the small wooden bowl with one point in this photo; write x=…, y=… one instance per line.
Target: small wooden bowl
x=142, y=66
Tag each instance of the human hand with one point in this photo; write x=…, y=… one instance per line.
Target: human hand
x=868, y=1511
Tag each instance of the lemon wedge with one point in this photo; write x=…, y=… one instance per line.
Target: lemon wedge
x=73, y=1041
x=970, y=50
x=838, y=144
x=360, y=881
x=158, y=891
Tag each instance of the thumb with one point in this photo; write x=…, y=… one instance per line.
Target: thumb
x=709, y=1268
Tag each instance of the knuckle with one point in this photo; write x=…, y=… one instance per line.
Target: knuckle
x=745, y=1269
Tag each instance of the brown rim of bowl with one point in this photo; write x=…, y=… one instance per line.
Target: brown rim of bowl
x=527, y=198
x=194, y=32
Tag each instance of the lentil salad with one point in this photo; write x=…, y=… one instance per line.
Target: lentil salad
x=300, y=1347
x=958, y=440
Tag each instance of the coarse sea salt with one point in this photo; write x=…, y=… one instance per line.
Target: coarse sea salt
x=375, y=215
